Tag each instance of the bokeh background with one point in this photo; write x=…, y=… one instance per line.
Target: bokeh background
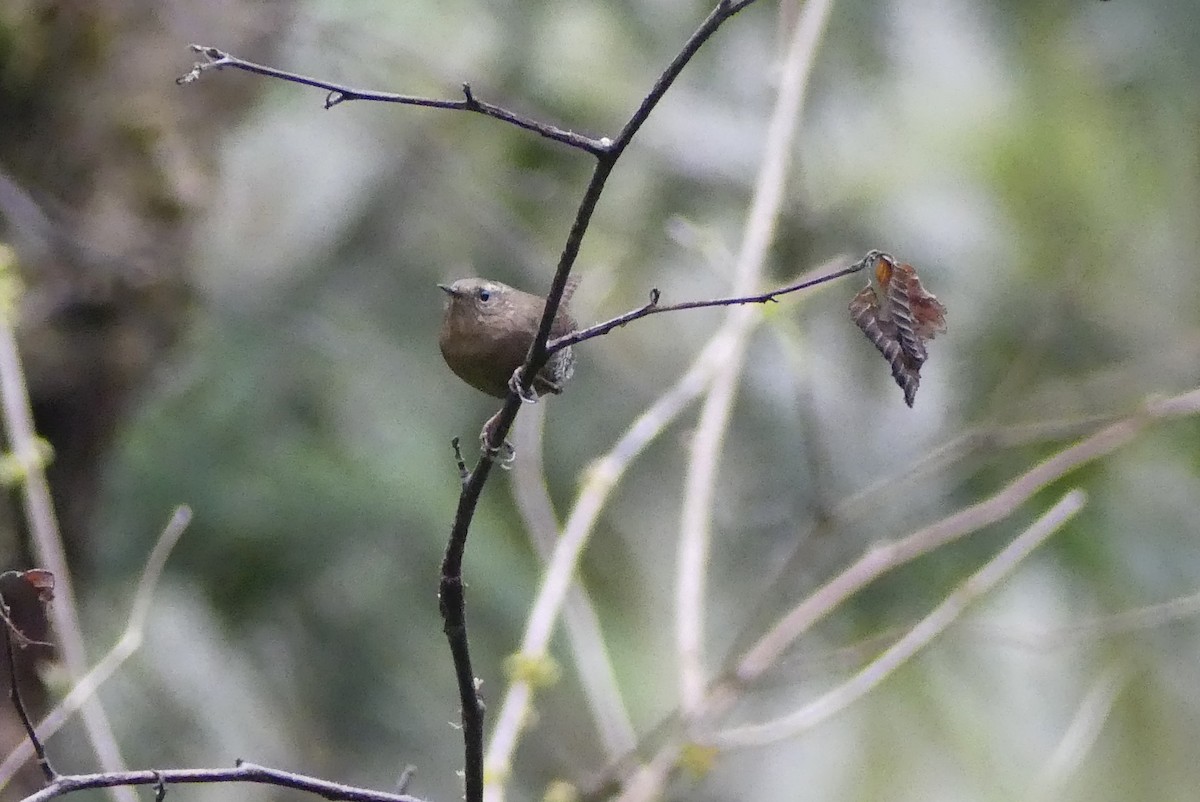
x=234, y=307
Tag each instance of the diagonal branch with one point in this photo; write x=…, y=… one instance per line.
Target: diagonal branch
x=765, y=653
x=917, y=638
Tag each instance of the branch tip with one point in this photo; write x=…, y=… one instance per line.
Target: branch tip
x=463, y=473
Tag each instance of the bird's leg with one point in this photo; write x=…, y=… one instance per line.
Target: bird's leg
x=504, y=453
x=514, y=384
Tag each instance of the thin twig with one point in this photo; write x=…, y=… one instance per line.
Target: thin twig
x=127, y=644
x=47, y=542
x=695, y=529
x=652, y=307
x=1150, y=616
x=242, y=773
x=917, y=638
x=14, y=694
x=339, y=93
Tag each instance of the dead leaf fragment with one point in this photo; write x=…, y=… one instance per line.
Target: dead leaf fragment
x=898, y=316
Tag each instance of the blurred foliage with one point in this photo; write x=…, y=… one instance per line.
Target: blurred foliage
x=1039, y=163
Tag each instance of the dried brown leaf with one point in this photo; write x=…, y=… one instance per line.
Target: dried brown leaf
x=898, y=315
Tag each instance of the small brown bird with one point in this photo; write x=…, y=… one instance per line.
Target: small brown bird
x=487, y=330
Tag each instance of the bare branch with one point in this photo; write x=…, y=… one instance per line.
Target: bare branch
x=889, y=556
x=652, y=307
x=599, y=482
x=242, y=773
x=339, y=93
x=760, y=657
x=14, y=694
x=451, y=585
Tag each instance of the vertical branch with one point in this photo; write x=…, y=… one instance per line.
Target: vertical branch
x=14, y=694
x=696, y=516
x=454, y=624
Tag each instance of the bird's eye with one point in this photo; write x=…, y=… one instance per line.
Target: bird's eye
x=485, y=295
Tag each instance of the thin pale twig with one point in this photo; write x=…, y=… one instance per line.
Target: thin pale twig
x=599, y=482
x=696, y=515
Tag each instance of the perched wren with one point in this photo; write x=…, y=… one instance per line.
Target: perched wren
x=487, y=330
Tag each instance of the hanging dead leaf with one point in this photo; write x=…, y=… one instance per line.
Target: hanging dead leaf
x=23, y=599
x=898, y=316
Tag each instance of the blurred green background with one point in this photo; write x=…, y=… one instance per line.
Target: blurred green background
x=1038, y=162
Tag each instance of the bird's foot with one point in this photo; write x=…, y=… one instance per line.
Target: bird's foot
x=504, y=454
x=514, y=384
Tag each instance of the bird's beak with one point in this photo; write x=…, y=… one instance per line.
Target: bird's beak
x=446, y=288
